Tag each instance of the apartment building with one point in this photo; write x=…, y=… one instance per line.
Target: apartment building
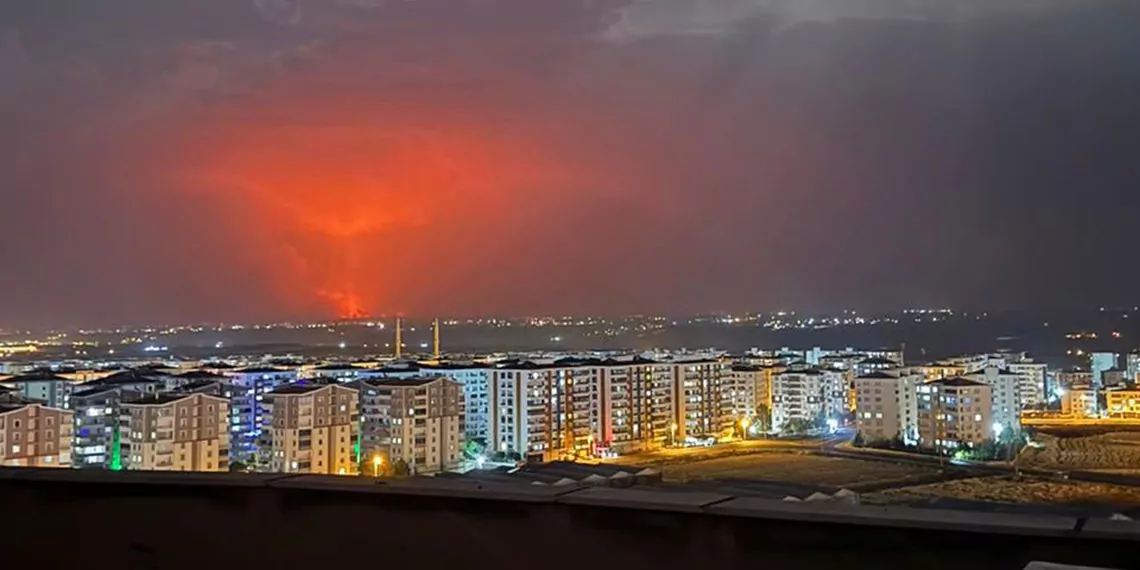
x=1122, y=404
x=248, y=415
x=97, y=416
x=1006, y=387
x=46, y=387
x=954, y=412
x=34, y=435
x=698, y=390
x=413, y=420
x=1079, y=402
x=175, y=432
x=546, y=410
x=338, y=372
x=940, y=370
x=873, y=364
x=475, y=380
x=312, y=428
x=886, y=405
x=636, y=400
x=807, y=395
x=1030, y=383
x=748, y=391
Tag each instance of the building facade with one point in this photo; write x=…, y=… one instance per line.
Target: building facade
x=701, y=409
x=52, y=390
x=807, y=397
x=175, y=432
x=34, y=435
x=1122, y=404
x=312, y=428
x=748, y=391
x=416, y=421
x=1005, y=390
x=636, y=400
x=954, y=413
x=887, y=405
x=247, y=390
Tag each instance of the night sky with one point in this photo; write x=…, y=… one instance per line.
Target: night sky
x=205, y=160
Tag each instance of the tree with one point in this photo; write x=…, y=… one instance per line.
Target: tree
x=400, y=468
x=858, y=441
x=474, y=447
x=763, y=418
x=798, y=426
x=238, y=467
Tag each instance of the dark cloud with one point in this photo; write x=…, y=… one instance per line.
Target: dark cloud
x=207, y=160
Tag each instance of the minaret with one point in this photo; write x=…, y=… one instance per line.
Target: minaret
x=435, y=339
x=399, y=338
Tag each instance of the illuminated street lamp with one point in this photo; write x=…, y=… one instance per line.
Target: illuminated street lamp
x=377, y=461
x=745, y=423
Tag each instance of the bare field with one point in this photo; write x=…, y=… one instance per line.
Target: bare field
x=794, y=468
x=1117, y=452
x=1010, y=490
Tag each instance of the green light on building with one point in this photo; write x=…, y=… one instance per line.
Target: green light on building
x=116, y=451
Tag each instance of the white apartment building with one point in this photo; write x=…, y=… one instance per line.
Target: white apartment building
x=807, y=394
x=698, y=389
x=1005, y=389
x=34, y=435
x=547, y=410
x=413, y=420
x=886, y=405
x=1031, y=382
x=175, y=432
x=748, y=391
x=636, y=400
x=312, y=429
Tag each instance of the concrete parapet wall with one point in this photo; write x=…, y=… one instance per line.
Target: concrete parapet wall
x=204, y=521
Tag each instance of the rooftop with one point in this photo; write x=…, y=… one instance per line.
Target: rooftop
x=200, y=375
x=303, y=387
x=262, y=370
x=159, y=399
x=402, y=382
x=36, y=376
x=878, y=375
x=134, y=376
x=956, y=381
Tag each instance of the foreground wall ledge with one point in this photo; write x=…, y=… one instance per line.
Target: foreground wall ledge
x=671, y=499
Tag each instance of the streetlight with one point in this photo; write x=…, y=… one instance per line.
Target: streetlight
x=745, y=423
x=377, y=461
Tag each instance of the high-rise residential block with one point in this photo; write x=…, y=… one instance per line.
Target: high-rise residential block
x=416, y=421
x=34, y=435
x=175, y=432
x=312, y=428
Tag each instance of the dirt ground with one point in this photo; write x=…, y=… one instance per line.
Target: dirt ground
x=1009, y=490
x=793, y=468
x=1115, y=452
